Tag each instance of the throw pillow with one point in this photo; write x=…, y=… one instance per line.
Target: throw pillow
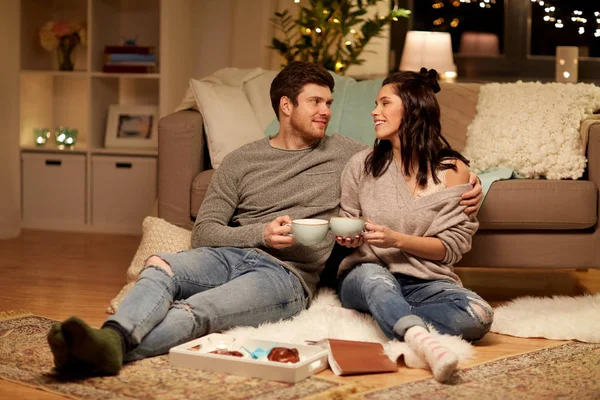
x=229, y=120
x=158, y=235
x=532, y=128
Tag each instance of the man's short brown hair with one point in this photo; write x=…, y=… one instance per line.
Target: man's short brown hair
x=290, y=81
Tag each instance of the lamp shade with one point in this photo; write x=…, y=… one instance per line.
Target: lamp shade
x=429, y=50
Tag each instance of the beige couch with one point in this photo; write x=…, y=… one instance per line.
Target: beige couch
x=523, y=223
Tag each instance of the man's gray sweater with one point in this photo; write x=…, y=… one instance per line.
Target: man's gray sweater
x=257, y=183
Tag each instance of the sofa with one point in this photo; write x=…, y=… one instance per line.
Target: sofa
x=524, y=223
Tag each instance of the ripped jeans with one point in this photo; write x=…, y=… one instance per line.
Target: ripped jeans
x=400, y=301
x=209, y=290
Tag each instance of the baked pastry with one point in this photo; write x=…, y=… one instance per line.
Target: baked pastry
x=224, y=352
x=284, y=355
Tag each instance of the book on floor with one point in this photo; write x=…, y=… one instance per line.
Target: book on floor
x=349, y=357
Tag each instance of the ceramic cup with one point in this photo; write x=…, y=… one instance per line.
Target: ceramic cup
x=310, y=231
x=347, y=227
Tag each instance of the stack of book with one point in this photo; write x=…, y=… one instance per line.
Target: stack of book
x=130, y=59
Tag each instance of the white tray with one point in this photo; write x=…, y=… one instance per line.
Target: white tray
x=313, y=359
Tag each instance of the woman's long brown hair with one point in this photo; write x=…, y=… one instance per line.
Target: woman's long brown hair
x=420, y=130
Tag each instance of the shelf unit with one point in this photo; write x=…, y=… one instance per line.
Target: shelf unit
x=80, y=100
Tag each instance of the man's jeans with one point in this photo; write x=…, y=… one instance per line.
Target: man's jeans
x=211, y=289
x=399, y=301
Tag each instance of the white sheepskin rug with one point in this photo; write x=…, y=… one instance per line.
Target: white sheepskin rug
x=326, y=318
x=559, y=318
x=532, y=128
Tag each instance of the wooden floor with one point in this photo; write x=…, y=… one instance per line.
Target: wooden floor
x=57, y=275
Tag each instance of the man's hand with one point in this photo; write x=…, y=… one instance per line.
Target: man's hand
x=276, y=231
x=350, y=242
x=472, y=198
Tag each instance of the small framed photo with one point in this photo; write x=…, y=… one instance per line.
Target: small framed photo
x=132, y=126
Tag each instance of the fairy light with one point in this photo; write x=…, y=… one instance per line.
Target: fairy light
x=318, y=30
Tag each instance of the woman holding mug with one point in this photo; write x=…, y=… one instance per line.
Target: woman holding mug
x=408, y=187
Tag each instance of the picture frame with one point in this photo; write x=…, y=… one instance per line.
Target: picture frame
x=132, y=126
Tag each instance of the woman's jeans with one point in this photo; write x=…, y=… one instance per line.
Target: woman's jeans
x=211, y=289
x=399, y=301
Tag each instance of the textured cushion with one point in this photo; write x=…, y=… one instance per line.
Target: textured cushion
x=532, y=128
x=539, y=204
x=157, y=236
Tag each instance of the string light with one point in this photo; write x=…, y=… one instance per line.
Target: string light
x=455, y=21
x=577, y=17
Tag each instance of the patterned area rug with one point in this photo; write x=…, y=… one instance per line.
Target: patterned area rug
x=26, y=358
x=569, y=371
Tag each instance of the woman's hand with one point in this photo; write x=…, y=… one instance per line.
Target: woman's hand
x=381, y=236
x=350, y=242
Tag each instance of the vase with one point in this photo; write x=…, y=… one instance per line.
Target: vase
x=64, y=53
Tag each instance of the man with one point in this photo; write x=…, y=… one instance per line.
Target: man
x=244, y=268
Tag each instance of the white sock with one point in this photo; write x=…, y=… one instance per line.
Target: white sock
x=441, y=359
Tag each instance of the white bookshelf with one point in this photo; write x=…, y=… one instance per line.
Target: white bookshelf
x=80, y=100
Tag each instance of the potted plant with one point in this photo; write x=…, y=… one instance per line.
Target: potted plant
x=332, y=33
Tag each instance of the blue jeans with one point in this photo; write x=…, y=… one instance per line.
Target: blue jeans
x=211, y=289
x=399, y=301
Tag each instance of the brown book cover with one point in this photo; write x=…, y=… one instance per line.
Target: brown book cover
x=129, y=49
x=348, y=357
x=125, y=68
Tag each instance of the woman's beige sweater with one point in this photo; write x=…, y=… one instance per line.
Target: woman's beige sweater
x=387, y=200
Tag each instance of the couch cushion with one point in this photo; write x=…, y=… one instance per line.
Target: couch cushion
x=531, y=127
x=198, y=191
x=216, y=96
x=458, y=102
x=539, y=204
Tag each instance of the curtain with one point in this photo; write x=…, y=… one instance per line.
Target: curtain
x=10, y=199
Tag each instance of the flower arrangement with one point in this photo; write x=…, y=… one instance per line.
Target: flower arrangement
x=64, y=37
x=332, y=33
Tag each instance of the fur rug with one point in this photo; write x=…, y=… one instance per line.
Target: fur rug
x=326, y=318
x=559, y=318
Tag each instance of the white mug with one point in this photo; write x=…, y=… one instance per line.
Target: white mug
x=347, y=227
x=309, y=231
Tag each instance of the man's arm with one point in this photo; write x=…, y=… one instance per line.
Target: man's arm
x=472, y=198
x=211, y=228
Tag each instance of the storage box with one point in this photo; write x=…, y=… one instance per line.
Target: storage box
x=313, y=359
x=123, y=192
x=53, y=190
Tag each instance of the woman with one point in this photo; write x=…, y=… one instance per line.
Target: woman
x=408, y=188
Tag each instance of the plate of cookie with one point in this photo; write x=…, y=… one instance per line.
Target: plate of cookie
x=265, y=359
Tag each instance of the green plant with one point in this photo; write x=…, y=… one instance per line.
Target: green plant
x=332, y=33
